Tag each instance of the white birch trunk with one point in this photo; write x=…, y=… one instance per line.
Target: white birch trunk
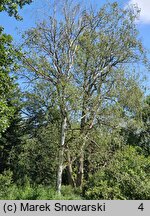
x=61, y=154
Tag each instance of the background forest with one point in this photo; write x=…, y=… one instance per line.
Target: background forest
x=78, y=125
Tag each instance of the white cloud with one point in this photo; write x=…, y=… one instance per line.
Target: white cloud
x=144, y=5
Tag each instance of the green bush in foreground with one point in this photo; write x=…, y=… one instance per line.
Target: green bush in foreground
x=10, y=191
x=126, y=177
x=5, y=183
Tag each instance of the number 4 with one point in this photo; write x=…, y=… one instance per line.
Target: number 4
x=141, y=207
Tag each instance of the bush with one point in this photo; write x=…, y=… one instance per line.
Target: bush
x=5, y=183
x=126, y=177
x=10, y=191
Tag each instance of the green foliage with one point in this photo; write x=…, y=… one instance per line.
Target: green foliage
x=11, y=139
x=126, y=177
x=11, y=191
x=5, y=183
x=40, y=106
x=8, y=88
x=144, y=141
x=37, y=158
x=9, y=98
x=138, y=134
x=12, y=7
x=102, y=144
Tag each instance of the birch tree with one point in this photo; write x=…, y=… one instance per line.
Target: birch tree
x=51, y=49
x=108, y=52
x=111, y=49
x=84, y=55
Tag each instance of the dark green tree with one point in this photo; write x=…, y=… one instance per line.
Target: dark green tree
x=10, y=140
x=39, y=107
x=37, y=158
x=7, y=85
x=39, y=137
x=9, y=103
x=9, y=100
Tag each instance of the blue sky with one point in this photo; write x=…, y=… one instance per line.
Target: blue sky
x=30, y=15
x=31, y=12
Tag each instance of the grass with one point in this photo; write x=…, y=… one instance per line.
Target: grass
x=38, y=192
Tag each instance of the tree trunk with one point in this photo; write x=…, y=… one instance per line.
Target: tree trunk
x=61, y=153
x=81, y=157
x=70, y=172
x=83, y=132
x=80, y=170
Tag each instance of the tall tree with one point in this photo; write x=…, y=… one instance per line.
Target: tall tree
x=83, y=57
x=108, y=49
x=9, y=100
x=52, y=48
x=8, y=57
x=8, y=88
x=7, y=85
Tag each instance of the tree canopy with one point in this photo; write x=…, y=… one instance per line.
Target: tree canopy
x=7, y=85
x=91, y=72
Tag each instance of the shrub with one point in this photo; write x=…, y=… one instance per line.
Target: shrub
x=126, y=177
x=10, y=191
x=5, y=183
